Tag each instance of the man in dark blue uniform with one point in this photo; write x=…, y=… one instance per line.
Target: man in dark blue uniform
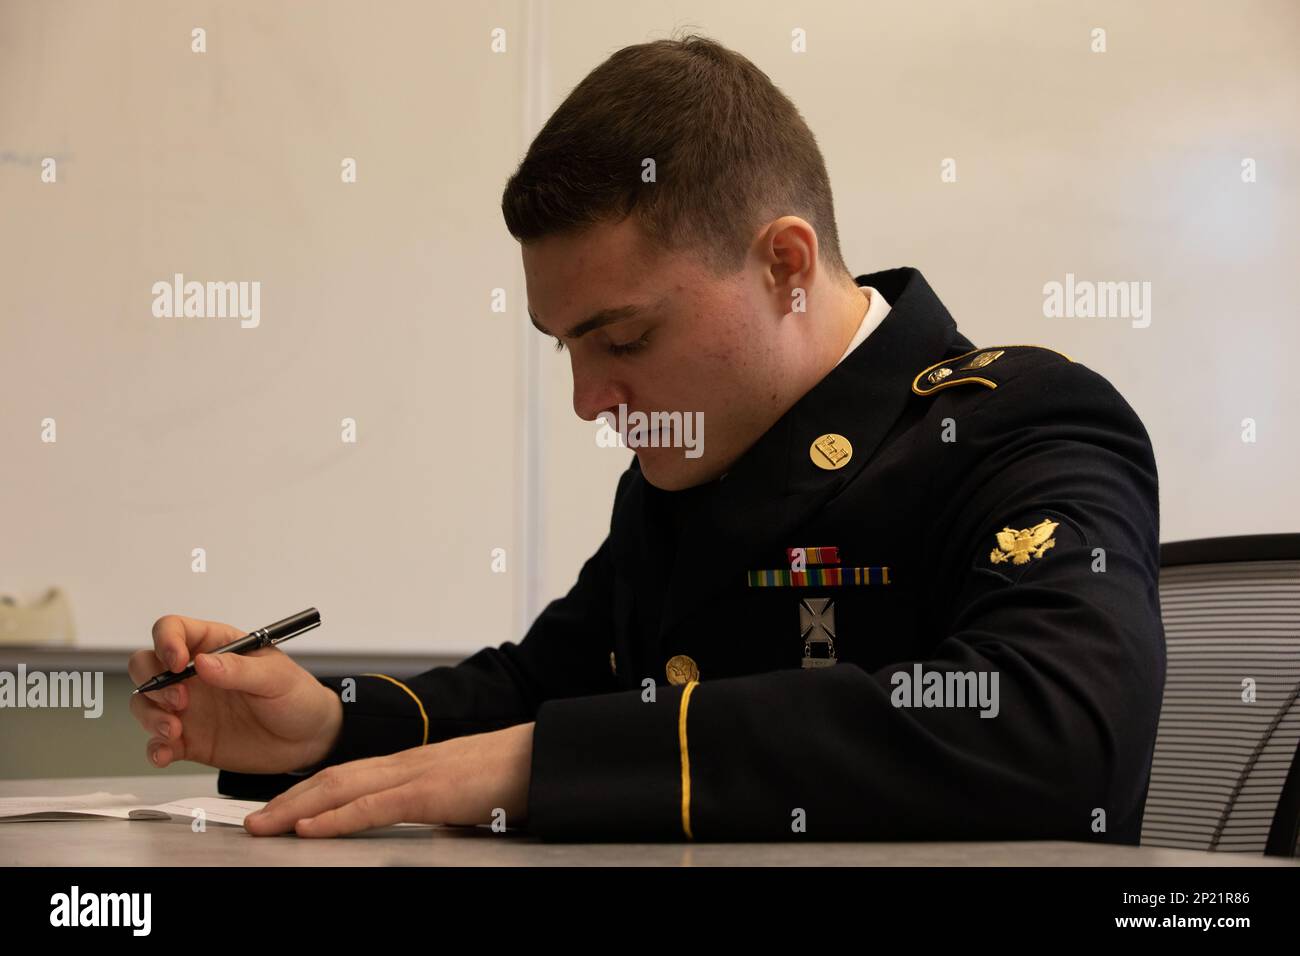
x=908, y=591
x=1025, y=547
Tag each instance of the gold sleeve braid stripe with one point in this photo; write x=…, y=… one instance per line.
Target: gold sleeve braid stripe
x=686, y=759
x=418, y=703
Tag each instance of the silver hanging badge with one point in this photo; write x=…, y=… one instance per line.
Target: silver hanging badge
x=817, y=628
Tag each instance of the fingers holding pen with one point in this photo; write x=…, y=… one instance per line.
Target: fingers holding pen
x=141, y=666
x=177, y=638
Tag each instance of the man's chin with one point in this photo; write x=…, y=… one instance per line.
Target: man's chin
x=668, y=469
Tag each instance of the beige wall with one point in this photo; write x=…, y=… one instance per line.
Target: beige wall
x=183, y=433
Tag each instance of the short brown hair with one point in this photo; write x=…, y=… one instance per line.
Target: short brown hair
x=730, y=150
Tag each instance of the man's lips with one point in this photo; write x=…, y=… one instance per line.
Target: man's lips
x=650, y=439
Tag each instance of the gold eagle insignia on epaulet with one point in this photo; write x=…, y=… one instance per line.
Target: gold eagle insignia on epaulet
x=1019, y=546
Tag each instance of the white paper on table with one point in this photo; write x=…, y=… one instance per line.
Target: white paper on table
x=126, y=806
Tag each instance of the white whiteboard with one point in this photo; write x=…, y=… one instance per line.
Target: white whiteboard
x=178, y=433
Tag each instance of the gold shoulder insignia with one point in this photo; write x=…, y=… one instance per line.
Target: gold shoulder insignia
x=961, y=369
x=1019, y=546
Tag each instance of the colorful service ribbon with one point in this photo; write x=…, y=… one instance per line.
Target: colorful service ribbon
x=819, y=577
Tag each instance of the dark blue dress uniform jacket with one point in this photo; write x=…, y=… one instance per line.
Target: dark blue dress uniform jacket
x=759, y=747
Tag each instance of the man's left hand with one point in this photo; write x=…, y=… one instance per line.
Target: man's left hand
x=460, y=781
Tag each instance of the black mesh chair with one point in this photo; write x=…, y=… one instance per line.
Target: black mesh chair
x=1226, y=773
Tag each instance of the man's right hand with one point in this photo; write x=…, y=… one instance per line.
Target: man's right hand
x=250, y=713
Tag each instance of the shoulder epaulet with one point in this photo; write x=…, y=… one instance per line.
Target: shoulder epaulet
x=978, y=367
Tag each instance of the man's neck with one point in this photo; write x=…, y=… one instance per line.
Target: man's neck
x=848, y=309
x=847, y=306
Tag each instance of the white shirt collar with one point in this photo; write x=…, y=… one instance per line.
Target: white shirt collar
x=877, y=309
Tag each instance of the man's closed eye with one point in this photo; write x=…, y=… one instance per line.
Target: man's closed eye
x=616, y=348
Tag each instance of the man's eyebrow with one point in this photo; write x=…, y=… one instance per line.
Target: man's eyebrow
x=598, y=319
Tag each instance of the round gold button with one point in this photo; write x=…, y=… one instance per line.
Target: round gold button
x=681, y=669
x=938, y=375
x=830, y=451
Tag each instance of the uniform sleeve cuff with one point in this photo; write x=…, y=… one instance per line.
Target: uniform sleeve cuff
x=381, y=715
x=612, y=767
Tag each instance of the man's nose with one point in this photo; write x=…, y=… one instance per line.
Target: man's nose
x=594, y=393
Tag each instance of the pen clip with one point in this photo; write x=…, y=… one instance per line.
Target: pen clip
x=276, y=640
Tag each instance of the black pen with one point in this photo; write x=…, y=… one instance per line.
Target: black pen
x=263, y=637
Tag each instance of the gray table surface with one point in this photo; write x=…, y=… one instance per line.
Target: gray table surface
x=111, y=842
